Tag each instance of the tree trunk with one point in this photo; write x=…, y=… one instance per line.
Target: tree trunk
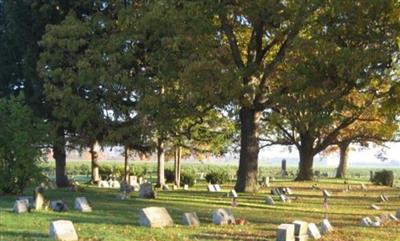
x=344, y=154
x=95, y=164
x=306, y=153
x=126, y=167
x=249, y=148
x=178, y=166
x=60, y=158
x=160, y=163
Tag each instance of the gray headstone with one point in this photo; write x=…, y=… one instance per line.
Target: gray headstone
x=365, y=222
x=398, y=213
x=155, y=217
x=82, y=204
x=233, y=193
x=373, y=206
x=58, y=206
x=285, y=232
x=313, y=232
x=21, y=206
x=222, y=216
x=217, y=188
x=269, y=200
x=211, y=188
x=190, y=219
x=326, y=226
x=275, y=191
x=146, y=191
x=62, y=230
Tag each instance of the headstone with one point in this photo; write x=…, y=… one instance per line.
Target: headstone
x=222, y=216
x=30, y=200
x=133, y=180
x=140, y=180
x=146, y=191
x=190, y=219
x=364, y=187
x=275, y=191
x=313, y=231
x=283, y=168
x=265, y=182
x=326, y=227
x=21, y=206
x=58, y=206
x=373, y=206
x=285, y=232
x=165, y=187
x=186, y=187
x=62, y=230
x=300, y=230
x=211, y=188
x=233, y=193
x=155, y=217
x=394, y=218
x=217, y=188
x=115, y=184
x=384, y=218
x=288, y=191
x=269, y=200
x=385, y=197
x=375, y=224
x=103, y=184
x=39, y=198
x=365, y=222
x=174, y=187
x=284, y=198
x=82, y=204
x=381, y=198
x=398, y=213
x=326, y=193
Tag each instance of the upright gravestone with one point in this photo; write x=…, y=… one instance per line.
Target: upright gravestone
x=104, y=184
x=265, y=182
x=39, y=198
x=190, y=219
x=300, y=230
x=165, y=187
x=186, y=187
x=313, y=231
x=371, y=175
x=326, y=226
x=326, y=193
x=62, y=230
x=58, y=206
x=155, y=217
x=211, y=188
x=82, y=204
x=365, y=222
x=146, y=191
x=283, y=168
x=285, y=232
x=133, y=180
x=217, y=188
x=269, y=200
x=233, y=193
x=398, y=213
x=21, y=206
x=288, y=191
x=222, y=216
x=284, y=198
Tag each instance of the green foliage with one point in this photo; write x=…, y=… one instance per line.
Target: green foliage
x=384, y=177
x=188, y=178
x=138, y=170
x=105, y=171
x=21, y=150
x=169, y=175
x=217, y=176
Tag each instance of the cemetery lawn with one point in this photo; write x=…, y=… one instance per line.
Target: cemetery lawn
x=118, y=220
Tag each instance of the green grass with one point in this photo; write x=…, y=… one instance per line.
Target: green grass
x=114, y=219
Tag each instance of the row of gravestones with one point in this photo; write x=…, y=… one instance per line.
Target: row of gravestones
x=25, y=204
x=383, y=218
x=302, y=231
x=283, y=194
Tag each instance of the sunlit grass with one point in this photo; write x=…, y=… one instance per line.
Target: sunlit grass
x=114, y=219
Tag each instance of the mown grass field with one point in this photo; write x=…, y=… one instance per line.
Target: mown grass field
x=118, y=220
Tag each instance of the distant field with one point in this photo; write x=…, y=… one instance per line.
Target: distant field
x=116, y=220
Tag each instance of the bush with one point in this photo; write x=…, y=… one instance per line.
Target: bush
x=21, y=140
x=217, y=177
x=169, y=175
x=383, y=177
x=105, y=171
x=187, y=178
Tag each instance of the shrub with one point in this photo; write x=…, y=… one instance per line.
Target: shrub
x=138, y=170
x=217, y=176
x=383, y=177
x=21, y=140
x=105, y=171
x=187, y=178
x=169, y=175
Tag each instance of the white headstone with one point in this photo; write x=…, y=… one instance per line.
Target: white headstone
x=217, y=188
x=373, y=206
x=186, y=187
x=155, y=217
x=82, y=204
x=211, y=188
x=326, y=226
x=21, y=206
x=222, y=216
x=115, y=184
x=313, y=231
x=103, y=184
x=326, y=193
x=365, y=222
x=62, y=230
x=269, y=200
x=190, y=219
x=284, y=198
x=375, y=224
x=288, y=191
x=146, y=191
x=285, y=232
x=394, y=218
x=233, y=193
x=300, y=228
x=39, y=198
x=133, y=180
